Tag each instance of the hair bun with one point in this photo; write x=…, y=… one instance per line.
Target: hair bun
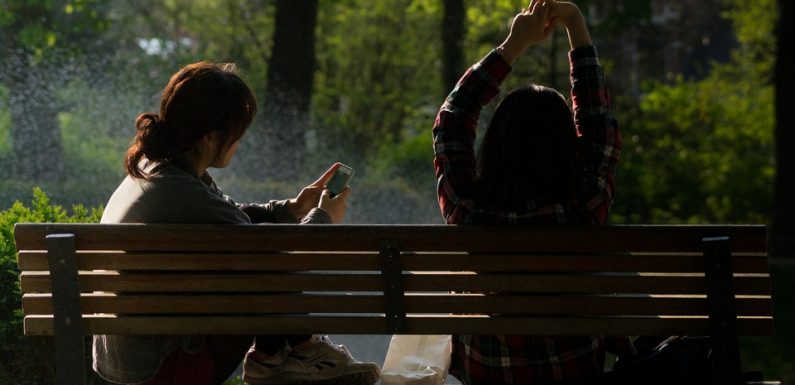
x=147, y=121
x=155, y=140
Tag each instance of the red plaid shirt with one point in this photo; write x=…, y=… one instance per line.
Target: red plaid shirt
x=527, y=359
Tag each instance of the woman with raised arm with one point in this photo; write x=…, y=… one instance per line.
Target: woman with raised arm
x=205, y=110
x=540, y=162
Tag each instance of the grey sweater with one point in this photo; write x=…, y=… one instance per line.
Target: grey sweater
x=172, y=193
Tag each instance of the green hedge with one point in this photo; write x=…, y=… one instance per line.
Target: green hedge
x=27, y=360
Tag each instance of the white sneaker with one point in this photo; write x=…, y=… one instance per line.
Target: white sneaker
x=259, y=369
x=325, y=361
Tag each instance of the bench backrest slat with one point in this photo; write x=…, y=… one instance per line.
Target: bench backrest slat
x=240, y=238
x=574, y=305
x=30, y=260
x=308, y=281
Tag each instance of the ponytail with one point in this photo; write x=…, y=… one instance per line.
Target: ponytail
x=152, y=141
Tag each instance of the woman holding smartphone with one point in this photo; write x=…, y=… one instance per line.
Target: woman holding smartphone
x=205, y=110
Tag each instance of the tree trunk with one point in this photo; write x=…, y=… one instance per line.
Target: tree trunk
x=286, y=107
x=452, y=41
x=782, y=242
x=35, y=131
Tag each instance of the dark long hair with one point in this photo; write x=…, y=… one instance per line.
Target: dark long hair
x=529, y=151
x=198, y=99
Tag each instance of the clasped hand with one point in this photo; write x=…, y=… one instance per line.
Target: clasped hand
x=535, y=23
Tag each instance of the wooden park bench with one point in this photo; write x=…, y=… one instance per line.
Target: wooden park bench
x=136, y=279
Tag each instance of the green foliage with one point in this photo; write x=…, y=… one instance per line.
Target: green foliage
x=27, y=360
x=92, y=152
x=702, y=151
x=681, y=159
x=488, y=22
x=367, y=58
x=39, y=27
x=754, y=29
x=236, y=31
x=411, y=159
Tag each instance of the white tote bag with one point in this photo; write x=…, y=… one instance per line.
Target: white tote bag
x=417, y=360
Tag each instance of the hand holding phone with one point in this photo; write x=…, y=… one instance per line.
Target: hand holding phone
x=311, y=196
x=339, y=180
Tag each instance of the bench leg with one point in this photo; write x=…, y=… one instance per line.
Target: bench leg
x=722, y=311
x=70, y=368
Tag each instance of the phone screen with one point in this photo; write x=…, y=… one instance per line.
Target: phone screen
x=339, y=180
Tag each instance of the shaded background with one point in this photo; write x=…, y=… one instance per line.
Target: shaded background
x=698, y=86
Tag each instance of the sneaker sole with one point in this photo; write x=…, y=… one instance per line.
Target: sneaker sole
x=360, y=378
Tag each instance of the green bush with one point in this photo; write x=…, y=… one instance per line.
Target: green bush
x=27, y=360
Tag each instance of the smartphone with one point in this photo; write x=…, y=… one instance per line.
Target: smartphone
x=339, y=180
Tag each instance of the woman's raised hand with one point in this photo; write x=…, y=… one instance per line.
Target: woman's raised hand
x=529, y=27
x=564, y=12
x=568, y=14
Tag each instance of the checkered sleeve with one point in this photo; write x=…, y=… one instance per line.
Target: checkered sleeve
x=454, y=135
x=600, y=135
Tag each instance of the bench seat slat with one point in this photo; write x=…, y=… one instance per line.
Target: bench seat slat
x=36, y=304
x=30, y=236
x=541, y=283
x=300, y=324
x=33, y=260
